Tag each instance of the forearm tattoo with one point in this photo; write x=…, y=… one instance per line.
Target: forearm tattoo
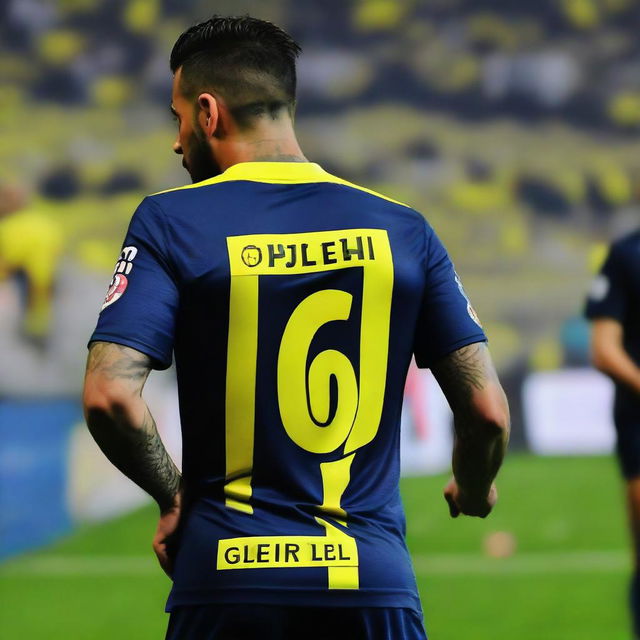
x=465, y=370
x=468, y=378
x=151, y=466
x=136, y=449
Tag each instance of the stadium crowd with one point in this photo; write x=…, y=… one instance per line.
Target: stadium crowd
x=512, y=126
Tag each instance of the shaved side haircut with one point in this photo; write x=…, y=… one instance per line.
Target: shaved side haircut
x=250, y=63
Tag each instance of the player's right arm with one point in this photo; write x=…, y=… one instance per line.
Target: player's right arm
x=124, y=429
x=609, y=355
x=481, y=420
x=134, y=334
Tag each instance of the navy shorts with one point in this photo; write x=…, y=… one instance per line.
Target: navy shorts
x=627, y=421
x=268, y=622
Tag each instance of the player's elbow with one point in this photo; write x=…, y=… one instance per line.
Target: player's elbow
x=101, y=400
x=491, y=415
x=496, y=423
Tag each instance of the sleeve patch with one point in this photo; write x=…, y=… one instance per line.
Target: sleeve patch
x=470, y=310
x=119, y=281
x=599, y=288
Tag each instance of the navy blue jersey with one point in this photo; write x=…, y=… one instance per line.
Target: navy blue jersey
x=615, y=293
x=293, y=302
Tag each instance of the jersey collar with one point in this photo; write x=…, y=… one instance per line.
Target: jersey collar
x=276, y=172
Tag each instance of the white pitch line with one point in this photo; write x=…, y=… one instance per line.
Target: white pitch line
x=81, y=566
x=526, y=563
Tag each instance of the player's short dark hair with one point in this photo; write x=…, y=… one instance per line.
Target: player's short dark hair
x=251, y=63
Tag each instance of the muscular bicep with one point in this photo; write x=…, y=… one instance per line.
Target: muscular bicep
x=469, y=381
x=115, y=370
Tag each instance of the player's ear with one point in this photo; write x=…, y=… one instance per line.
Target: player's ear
x=208, y=114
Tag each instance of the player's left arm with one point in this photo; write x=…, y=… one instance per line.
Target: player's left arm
x=449, y=340
x=481, y=422
x=123, y=427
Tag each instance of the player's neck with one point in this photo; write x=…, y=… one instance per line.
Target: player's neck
x=276, y=143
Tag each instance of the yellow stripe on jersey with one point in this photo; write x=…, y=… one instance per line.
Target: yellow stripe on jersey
x=279, y=173
x=335, y=479
x=240, y=392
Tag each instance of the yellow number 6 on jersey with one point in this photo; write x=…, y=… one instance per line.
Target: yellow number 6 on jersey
x=306, y=419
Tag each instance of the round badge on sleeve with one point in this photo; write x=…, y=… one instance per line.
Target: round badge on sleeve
x=116, y=289
x=473, y=315
x=599, y=288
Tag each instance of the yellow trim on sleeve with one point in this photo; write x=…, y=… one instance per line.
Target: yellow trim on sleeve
x=279, y=173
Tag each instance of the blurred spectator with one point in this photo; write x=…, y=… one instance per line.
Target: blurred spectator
x=543, y=197
x=480, y=191
x=491, y=117
x=62, y=183
x=122, y=181
x=31, y=244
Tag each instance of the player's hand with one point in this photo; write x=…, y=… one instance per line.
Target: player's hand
x=167, y=526
x=467, y=504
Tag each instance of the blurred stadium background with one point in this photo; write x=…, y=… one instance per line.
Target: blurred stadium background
x=512, y=125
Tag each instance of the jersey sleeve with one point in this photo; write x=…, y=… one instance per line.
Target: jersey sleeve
x=607, y=296
x=141, y=304
x=446, y=321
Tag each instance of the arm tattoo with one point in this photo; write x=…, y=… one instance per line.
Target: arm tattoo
x=115, y=361
x=132, y=444
x=464, y=371
x=470, y=383
x=151, y=466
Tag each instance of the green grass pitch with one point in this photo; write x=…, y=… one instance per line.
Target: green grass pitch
x=566, y=580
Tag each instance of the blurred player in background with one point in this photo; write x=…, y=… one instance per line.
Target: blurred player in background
x=613, y=307
x=293, y=302
x=30, y=247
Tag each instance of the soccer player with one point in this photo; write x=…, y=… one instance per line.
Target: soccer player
x=293, y=302
x=613, y=307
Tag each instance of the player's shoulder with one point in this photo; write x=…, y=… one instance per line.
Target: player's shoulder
x=628, y=244
x=171, y=206
x=167, y=198
x=366, y=191
x=399, y=207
